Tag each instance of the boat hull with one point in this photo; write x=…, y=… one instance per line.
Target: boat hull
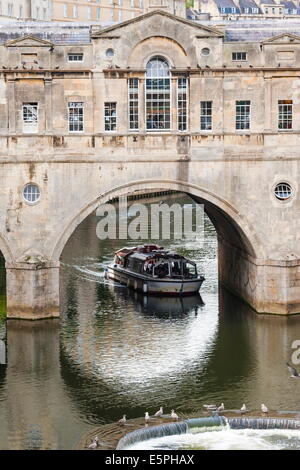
x=149, y=285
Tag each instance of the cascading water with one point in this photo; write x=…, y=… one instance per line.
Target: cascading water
x=217, y=432
x=263, y=423
x=152, y=432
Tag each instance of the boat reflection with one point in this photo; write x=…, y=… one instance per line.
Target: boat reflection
x=160, y=306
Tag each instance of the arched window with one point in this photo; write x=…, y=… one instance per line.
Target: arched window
x=158, y=88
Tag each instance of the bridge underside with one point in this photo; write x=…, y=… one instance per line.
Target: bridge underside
x=268, y=286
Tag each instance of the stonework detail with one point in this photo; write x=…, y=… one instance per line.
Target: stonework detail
x=65, y=129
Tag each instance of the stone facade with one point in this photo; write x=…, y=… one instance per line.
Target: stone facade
x=240, y=10
x=111, y=11
x=25, y=10
x=232, y=171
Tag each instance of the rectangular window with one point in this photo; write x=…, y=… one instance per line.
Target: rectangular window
x=182, y=91
x=285, y=114
x=75, y=11
x=65, y=10
x=75, y=57
x=89, y=13
x=133, y=98
x=75, y=116
x=238, y=56
x=30, y=117
x=206, y=116
x=158, y=104
x=242, y=115
x=98, y=13
x=110, y=116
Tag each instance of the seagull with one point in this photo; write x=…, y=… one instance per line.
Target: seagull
x=174, y=415
x=122, y=420
x=94, y=444
x=3, y=66
x=264, y=408
x=293, y=371
x=147, y=417
x=159, y=412
x=56, y=67
x=221, y=407
x=244, y=408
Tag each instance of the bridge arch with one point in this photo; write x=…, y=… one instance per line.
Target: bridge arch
x=228, y=221
x=6, y=251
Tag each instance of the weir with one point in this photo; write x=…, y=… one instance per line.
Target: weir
x=191, y=426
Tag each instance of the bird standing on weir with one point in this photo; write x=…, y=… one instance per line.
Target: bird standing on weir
x=174, y=415
x=159, y=413
x=147, y=417
x=94, y=444
x=122, y=420
x=221, y=407
x=264, y=408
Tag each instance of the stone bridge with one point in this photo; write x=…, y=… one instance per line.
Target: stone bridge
x=234, y=173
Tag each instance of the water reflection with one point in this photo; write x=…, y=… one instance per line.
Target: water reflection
x=114, y=351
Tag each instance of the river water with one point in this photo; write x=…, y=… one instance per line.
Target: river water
x=114, y=351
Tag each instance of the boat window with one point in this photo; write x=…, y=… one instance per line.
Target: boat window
x=175, y=268
x=189, y=269
x=161, y=270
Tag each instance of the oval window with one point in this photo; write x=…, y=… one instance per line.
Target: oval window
x=283, y=191
x=110, y=53
x=205, y=51
x=31, y=193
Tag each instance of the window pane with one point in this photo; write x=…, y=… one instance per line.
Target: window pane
x=158, y=86
x=242, y=115
x=110, y=116
x=206, y=115
x=75, y=116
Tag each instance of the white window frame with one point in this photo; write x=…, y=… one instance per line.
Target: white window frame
x=182, y=90
x=30, y=117
x=157, y=93
x=131, y=90
x=74, y=55
x=239, y=115
x=80, y=119
x=284, y=117
x=237, y=56
x=112, y=119
x=203, y=114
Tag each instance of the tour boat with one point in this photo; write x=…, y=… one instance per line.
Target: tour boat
x=153, y=270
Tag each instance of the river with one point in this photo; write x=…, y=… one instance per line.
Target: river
x=116, y=352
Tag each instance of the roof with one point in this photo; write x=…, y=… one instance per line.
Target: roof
x=288, y=4
x=248, y=4
x=139, y=18
x=56, y=33
x=256, y=30
x=226, y=4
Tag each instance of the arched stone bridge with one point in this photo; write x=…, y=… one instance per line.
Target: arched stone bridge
x=233, y=173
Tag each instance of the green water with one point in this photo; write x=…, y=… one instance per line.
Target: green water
x=116, y=352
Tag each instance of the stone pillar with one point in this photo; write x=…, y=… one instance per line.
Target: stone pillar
x=32, y=290
x=268, y=286
x=48, y=105
x=11, y=106
x=268, y=103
